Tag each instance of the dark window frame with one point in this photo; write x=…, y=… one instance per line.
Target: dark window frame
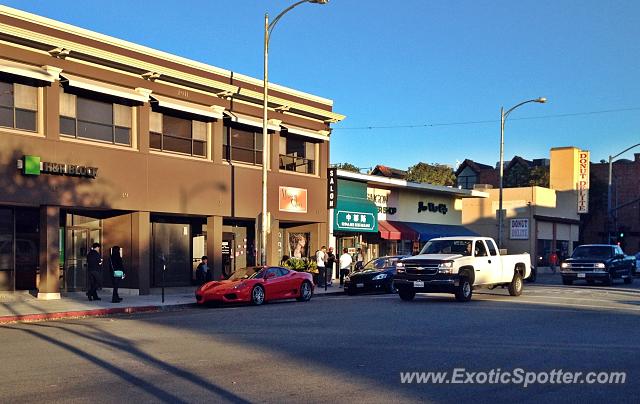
x=289, y=162
x=228, y=147
x=15, y=110
x=102, y=98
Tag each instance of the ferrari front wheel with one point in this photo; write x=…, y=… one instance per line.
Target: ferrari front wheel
x=305, y=292
x=257, y=295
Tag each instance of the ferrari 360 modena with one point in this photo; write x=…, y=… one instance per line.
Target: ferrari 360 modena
x=257, y=285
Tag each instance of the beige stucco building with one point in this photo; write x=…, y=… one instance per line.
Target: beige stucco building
x=537, y=220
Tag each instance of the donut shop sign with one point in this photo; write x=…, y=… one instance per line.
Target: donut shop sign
x=583, y=181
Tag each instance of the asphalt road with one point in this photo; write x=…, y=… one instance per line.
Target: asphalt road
x=333, y=349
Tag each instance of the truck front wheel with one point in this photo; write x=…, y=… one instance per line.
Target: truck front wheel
x=406, y=294
x=464, y=291
x=515, y=287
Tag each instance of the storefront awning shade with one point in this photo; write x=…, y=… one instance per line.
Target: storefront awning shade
x=24, y=70
x=428, y=231
x=305, y=132
x=396, y=231
x=103, y=88
x=188, y=107
x=358, y=215
x=249, y=120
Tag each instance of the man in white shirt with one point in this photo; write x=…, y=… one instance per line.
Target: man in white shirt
x=322, y=270
x=345, y=265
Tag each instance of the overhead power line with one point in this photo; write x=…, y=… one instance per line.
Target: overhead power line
x=427, y=125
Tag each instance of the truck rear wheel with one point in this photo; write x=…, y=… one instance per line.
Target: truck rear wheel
x=515, y=287
x=464, y=291
x=406, y=294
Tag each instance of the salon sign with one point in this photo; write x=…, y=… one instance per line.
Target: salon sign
x=292, y=199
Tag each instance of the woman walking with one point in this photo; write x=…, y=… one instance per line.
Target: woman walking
x=117, y=272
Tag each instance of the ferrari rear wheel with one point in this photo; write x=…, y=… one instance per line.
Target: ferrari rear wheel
x=257, y=295
x=305, y=292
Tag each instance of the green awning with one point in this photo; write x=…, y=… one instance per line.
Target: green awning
x=355, y=215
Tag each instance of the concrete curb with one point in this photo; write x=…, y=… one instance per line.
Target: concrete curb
x=27, y=318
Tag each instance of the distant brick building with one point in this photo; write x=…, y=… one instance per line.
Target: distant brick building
x=516, y=173
x=625, y=192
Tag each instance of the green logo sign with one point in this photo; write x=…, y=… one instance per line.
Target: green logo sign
x=32, y=165
x=355, y=221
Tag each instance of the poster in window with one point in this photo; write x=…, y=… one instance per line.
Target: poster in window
x=299, y=245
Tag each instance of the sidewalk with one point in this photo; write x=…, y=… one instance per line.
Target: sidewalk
x=25, y=307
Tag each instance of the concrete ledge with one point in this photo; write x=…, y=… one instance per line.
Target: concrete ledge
x=48, y=296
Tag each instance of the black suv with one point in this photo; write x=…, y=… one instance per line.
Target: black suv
x=597, y=262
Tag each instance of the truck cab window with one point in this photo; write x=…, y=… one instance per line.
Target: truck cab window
x=492, y=247
x=480, y=250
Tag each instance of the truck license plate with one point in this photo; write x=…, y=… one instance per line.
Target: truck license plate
x=359, y=285
x=581, y=275
x=418, y=284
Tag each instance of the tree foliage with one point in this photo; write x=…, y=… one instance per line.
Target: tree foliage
x=437, y=174
x=522, y=176
x=539, y=176
x=347, y=167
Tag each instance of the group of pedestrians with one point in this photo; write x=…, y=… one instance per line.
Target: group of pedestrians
x=326, y=260
x=94, y=266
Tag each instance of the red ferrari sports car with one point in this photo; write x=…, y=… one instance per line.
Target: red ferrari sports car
x=257, y=285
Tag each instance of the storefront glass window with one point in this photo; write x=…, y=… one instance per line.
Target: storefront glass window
x=6, y=249
x=18, y=105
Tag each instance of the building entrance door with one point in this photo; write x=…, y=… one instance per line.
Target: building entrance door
x=75, y=265
x=228, y=251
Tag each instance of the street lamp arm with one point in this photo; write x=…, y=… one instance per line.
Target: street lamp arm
x=624, y=151
x=522, y=103
x=279, y=16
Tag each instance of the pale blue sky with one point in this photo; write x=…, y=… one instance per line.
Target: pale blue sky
x=416, y=62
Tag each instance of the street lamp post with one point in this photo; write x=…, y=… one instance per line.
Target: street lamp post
x=503, y=118
x=268, y=28
x=609, y=207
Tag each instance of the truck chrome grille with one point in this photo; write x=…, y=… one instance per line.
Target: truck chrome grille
x=422, y=268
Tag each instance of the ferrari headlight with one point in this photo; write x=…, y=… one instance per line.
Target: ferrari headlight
x=445, y=267
x=241, y=285
x=378, y=277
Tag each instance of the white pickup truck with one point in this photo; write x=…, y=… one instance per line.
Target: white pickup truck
x=458, y=265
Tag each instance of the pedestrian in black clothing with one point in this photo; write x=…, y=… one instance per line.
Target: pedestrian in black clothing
x=202, y=270
x=94, y=271
x=117, y=272
x=331, y=260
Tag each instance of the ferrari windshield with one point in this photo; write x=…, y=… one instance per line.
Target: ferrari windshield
x=593, y=252
x=447, y=247
x=247, y=273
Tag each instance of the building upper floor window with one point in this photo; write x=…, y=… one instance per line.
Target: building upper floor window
x=467, y=181
x=242, y=144
x=18, y=105
x=172, y=133
x=98, y=118
x=297, y=154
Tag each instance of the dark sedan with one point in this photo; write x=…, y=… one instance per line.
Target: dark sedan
x=376, y=276
x=597, y=262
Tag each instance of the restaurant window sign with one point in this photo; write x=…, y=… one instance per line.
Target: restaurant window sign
x=519, y=229
x=292, y=199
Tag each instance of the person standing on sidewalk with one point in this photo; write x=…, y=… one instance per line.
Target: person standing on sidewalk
x=331, y=260
x=322, y=271
x=553, y=261
x=94, y=271
x=359, y=259
x=117, y=272
x=345, y=265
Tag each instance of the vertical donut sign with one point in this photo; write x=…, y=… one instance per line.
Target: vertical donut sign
x=583, y=181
